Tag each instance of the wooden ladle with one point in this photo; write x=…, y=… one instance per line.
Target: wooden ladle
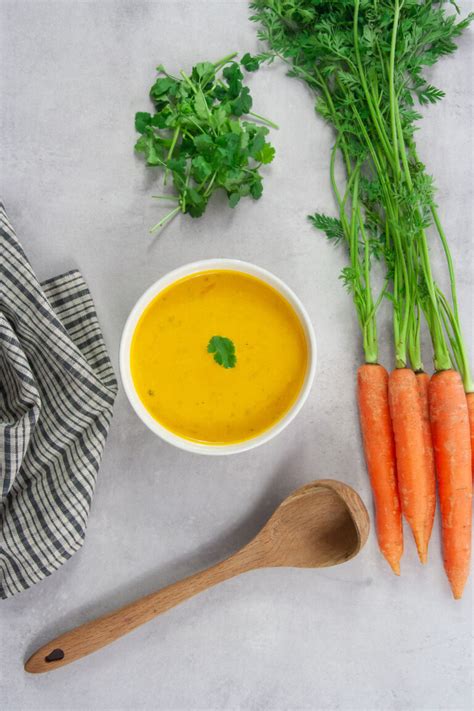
x=321, y=524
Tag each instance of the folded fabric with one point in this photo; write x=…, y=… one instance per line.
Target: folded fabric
x=57, y=390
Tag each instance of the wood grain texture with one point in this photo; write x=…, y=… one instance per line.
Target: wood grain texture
x=321, y=524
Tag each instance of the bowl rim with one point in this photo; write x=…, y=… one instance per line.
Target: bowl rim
x=150, y=294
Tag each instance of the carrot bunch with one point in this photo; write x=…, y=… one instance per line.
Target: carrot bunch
x=365, y=62
x=429, y=419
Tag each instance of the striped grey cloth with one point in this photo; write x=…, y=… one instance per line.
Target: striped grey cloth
x=57, y=390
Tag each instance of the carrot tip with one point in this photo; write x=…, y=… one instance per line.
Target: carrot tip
x=421, y=547
x=395, y=566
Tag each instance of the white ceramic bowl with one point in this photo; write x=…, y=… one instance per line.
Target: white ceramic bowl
x=163, y=283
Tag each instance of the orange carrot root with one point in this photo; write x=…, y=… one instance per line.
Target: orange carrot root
x=470, y=407
x=451, y=440
x=415, y=476
x=379, y=447
x=423, y=383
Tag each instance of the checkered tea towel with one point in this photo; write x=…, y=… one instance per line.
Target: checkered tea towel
x=57, y=390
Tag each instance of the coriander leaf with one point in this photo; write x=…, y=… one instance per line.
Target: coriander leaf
x=204, y=143
x=223, y=350
x=218, y=118
x=244, y=142
x=229, y=144
x=159, y=120
x=251, y=64
x=177, y=165
x=234, y=77
x=200, y=104
x=235, y=126
x=266, y=154
x=234, y=199
x=153, y=151
x=162, y=86
x=195, y=202
x=201, y=169
x=221, y=92
x=257, y=143
x=142, y=120
x=243, y=103
x=203, y=72
x=256, y=188
x=233, y=179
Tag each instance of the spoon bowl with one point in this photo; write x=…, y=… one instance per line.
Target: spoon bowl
x=321, y=524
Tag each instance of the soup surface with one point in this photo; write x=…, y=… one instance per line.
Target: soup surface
x=179, y=381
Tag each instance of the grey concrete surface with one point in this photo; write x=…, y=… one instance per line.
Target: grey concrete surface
x=353, y=638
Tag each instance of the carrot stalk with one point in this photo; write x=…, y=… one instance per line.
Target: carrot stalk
x=415, y=477
x=379, y=447
x=470, y=409
x=451, y=440
x=423, y=383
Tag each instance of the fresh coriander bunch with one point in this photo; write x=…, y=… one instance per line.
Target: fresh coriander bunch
x=198, y=135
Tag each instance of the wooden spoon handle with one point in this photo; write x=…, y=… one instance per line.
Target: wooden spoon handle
x=96, y=634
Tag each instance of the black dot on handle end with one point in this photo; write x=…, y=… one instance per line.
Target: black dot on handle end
x=54, y=656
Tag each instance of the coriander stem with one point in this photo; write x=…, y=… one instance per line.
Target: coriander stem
x=166, y=219
x=188, y=81
x=183, y=197
x=224, y=60
x=200, y=128
x=263, y=119
x=170, y=152
x=208, y=189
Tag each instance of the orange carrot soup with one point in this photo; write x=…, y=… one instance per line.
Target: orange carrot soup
x=218, y=357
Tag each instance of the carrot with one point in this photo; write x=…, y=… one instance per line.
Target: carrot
x=423, y=383
x=379, y=447
x=451, y=440
x=415, y=477
x=470, y=408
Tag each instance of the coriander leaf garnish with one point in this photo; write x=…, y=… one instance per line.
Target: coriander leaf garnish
x=223, y=350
